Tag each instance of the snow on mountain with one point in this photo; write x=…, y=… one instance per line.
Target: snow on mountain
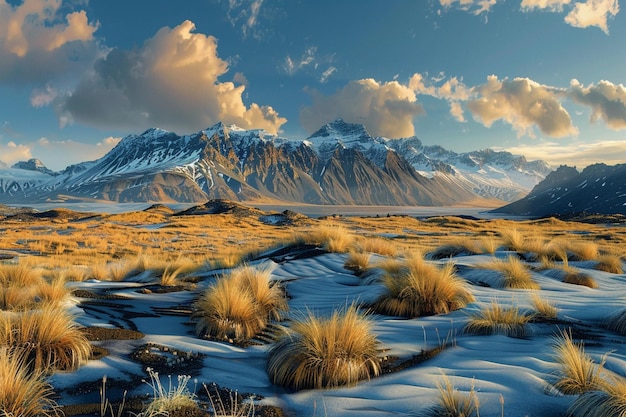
x=341, y=163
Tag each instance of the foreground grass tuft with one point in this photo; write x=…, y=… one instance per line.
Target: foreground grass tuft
x=452, y=403
x=498, y=320
x=617, y=322
x=544, y=309
x=576, y=372
x=514, y=272
x=168, y=400
x=23, y=392
x=325, y=352
x=237, y=307
x=608, y=401
x=418, y=288
x=48, y=336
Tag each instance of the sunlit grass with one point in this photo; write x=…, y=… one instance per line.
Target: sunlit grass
x=515, y=273
x=452, y=403
x=576, y=371
x=495, y=319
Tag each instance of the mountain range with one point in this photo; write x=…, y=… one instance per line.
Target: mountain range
x=597, y=189
x=341, y=163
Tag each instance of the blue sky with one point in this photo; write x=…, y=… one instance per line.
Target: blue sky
x=542, y=78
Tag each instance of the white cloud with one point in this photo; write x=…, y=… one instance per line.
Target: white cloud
x=43, y=97
x=247, y=14
x=37, y=42
x=474, y=6
x=522, y=103
x=386, y=109
x=294, y=65
x=326, y=74
x=580, y=154
x=171, y=82
x=550, y=5
x=12, y=153
x=593, y=13
x=452, y=90
x=606, y=100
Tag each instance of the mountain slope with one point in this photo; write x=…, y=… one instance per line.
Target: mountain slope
x=599, y=188
x=339, y=164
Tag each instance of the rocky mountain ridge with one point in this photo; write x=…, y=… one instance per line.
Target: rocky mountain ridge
x=341, y=163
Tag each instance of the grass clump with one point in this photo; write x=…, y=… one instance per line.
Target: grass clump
x=607, y=401
x=332, y=238
x=452, y=403
x=515, y=273
x=357, y=262
x=317, y=352
x=576, y=372
x=379, y=246
x=544, y=309
x=23, y=392
x=417, y=288
x=168, y=400
x=238, y=306
x=48, y=336
x=575, y=277
x=582, y=251
x=610, y=263
x=456, y=248
x=498, y=320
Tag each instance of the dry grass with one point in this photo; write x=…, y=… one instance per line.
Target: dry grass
x=576, y=371
x=332, y=237
x=512, y=239
x=325, y=352
x=610, y=263
x=384, y=247
x=608, y=401
x=168, y=400
x=420, y=288
x=544, y=309
x=19, y=275
x=357, y=262
x=23, y=393
x=576, y=277
x=617, y=322
x=489, y=244
x=239, y=306
x=515, y=273
x=459, y=246
x=54, y=292
x=496, y=319
x=452, y=403
x=48, y=336
x=583, y=251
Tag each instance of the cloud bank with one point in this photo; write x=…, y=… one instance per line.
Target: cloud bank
x=37, y=42
x=606, y=100
x=385, y=109
x=171, y=82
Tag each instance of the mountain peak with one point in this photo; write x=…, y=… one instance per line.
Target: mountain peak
x=33, y=164
x=341, y=128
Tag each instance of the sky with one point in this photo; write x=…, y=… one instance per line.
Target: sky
x=540, y=78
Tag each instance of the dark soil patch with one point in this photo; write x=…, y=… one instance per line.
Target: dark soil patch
x=395, y=364
x=98, y=352
x=97, y=296
x=103, y=333
x=160, y=289
x=165, y=360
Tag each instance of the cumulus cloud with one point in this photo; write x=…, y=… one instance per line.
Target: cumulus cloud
x=581, y=154
x=386, y=109
x=522, y=103
x=550, y=5
x=11, y=152
x=37, y=42
x=606, y=100
x=171, y=81
x=453, y=90
x=593, y=13
x=474, y=6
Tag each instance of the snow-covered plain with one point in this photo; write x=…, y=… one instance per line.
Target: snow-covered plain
x=517, y=370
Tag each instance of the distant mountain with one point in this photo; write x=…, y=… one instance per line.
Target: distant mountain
x=598, y=189
x=341, y=163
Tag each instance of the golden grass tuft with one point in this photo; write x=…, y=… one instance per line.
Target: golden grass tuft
x=54, y=292
x=583, y=251
x=515, y=273
x=325, y=352
x=610, y=263
x=512, y=239
x=544, y=309
x=168, y=400
x=575, y=277
x=23, y=392
x=48, y=335
x=333, y=238
x=452, y=403
x=238, y=306
x=496, y=319
x=576, y=372
x=357, y=262
x=459, y=246
x=18, y=275
x=607, y=401
x=384, y=247
x=420, y=288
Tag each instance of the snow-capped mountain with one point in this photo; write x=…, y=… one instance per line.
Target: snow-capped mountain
x=599, y=188
x=339, y=164
x=22, y=177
